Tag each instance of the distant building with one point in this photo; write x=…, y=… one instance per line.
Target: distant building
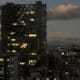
x=70, y=64
x=23, y=38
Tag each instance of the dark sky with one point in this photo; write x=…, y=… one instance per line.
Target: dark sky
x=64, y=28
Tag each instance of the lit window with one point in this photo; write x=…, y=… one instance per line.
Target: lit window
x=55, y=79
x=33, y=53
x=8, y=59
x=12, y=33
x=66, y=62
x=32, y=62
x=14, y=24
x=8, y=65
x=32, y=19
x=1, y=59
x=47, y=79
x=32, y=35
x=25, y=35
x=8, y=51
x=32, y=12
x=62, y=53
x=44, y=42
x=66, y=73
x=22, y=22
x=27, y=12
x=22, y=63
x=14, y=51
x=15, y=44
x=8, y=37
x=13, y=39
x=24, y=45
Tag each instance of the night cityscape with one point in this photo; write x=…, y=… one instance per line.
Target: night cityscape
x=39, y=42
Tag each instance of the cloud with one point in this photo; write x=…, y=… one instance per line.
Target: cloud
x=63, y=11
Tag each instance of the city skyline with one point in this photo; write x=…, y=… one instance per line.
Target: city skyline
x=60, y=26
x=40, y=40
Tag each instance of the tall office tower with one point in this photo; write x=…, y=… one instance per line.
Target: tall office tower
x=23, y=38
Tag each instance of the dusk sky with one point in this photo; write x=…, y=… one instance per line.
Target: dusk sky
x=63, y=17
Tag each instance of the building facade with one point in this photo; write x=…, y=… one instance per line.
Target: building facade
x=23, y=38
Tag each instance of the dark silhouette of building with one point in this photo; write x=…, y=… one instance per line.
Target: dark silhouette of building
x=23, y=38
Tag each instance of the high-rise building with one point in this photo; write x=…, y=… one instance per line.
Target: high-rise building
x=23, y=38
